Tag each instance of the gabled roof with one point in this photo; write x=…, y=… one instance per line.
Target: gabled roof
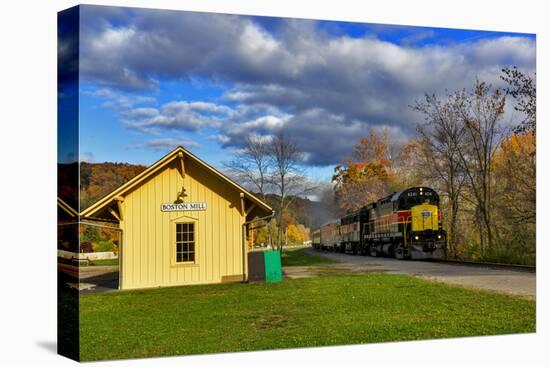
x=158, y=166
x=66, y=207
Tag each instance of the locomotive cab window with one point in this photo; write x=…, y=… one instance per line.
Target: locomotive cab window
x=416, y=197
x=185, y=242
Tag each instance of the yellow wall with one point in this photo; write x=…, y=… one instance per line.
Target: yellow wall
x=148, y=249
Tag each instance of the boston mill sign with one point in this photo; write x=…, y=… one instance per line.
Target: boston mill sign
x=171, y=207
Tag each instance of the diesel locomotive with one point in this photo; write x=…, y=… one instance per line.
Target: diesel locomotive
x=404, y=225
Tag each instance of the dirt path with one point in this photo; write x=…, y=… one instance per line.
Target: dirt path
x=504, y=281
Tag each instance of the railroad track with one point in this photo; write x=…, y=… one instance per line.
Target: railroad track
x=524, y=268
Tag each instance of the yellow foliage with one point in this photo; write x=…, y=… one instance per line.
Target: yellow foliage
x=515, y=177
x=294, y=235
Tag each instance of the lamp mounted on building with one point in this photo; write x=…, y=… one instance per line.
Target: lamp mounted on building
x=181, y=195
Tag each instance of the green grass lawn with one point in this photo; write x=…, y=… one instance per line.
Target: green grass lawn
x=103, y=262
x=298, y=257
x=325, y=310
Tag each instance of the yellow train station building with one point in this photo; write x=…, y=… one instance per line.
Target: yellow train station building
x=181, y=222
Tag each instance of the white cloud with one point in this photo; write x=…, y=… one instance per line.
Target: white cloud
x=264, y=124
x=221, y=138
x=327, y=89
x=166, y=144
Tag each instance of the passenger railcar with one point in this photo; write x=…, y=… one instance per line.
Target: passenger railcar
x=316, y=239
x=330, y=236
x=351, y=231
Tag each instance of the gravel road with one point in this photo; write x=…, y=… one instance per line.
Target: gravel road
x=505, y=281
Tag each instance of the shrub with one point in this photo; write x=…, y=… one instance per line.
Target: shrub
x=86, y=247
x=104, y=246
x=89, y=234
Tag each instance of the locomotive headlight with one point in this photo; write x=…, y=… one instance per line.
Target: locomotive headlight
x=438, y=236
x=416, y=238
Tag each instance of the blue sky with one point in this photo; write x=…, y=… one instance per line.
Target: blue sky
x=154, y=79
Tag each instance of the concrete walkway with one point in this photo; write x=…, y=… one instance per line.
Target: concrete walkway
x=504, y=281
x=91, y=279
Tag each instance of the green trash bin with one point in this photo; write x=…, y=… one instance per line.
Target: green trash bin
x=273, y=270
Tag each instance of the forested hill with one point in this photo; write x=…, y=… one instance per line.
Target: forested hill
x=99, y=179
x=304, y=211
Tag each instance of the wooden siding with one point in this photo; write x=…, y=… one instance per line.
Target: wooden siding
x=148, y=249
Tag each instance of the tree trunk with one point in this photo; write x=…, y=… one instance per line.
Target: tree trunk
x=280, y=228
x=481, y=236
x=269, y=235
x=452, y=226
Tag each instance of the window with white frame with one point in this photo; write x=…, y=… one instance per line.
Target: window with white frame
x=185, y=242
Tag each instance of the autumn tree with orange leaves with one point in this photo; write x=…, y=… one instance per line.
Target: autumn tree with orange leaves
x=483, y=167
x=367, y=175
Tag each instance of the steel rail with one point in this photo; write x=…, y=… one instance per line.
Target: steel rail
x=514, y=267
